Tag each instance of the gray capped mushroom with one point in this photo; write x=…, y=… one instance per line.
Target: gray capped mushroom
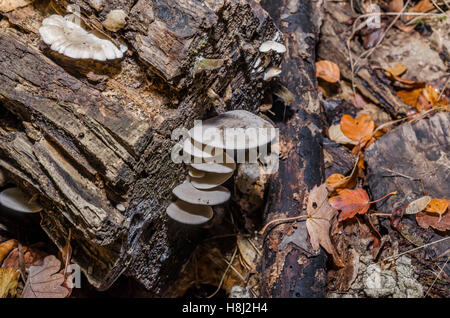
x=188, y=193
x=188, y=213
x=18, y=201
x=203, y=153
x=227, y=167
x=210, y=180
x=70, y=39
x=234, y=130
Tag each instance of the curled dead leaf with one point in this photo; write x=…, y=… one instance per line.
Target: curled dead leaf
x=359, y=130
x=335, y=133
x=328, y=71
x=6, y=247
x=9, y=278
x=318, y=223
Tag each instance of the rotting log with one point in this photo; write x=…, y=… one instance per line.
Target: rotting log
x=88, y=137
x=289, y=266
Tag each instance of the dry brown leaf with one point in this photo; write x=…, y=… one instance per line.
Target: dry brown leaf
x=31, y=256
x=247, y=251
x=439, y=222
x=328, y=71
x=44, y=281
x=397, y=70
x=9, y=277
x=318, y=223
x=396, y=5
x=359, y=129
x=423, y=6
x=418, y=205
x=5, y=248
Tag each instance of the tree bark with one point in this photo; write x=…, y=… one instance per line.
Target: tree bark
x=86, y=136
x=290, y=268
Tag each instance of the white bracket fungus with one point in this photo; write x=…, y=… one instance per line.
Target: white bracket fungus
x=188, y=213
x=70, y=39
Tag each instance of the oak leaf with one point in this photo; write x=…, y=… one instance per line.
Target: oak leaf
x=328, y=71
x=359, y=129
x=9, y=278
x=45, y=281
x=320, y=215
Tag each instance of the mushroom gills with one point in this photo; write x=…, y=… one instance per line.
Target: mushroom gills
x=210, y=180
x=18, y=201
x=188, y=213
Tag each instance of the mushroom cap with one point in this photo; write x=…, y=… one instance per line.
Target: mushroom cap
x=16, y=200
x=70, y=39
x=234, y=130
x=272, y=46
x=227, y=167
x=188, y=193
x=194, y=173
x=188, y=213
x=210, y=180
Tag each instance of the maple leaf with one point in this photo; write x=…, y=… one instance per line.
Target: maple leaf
x=328, y=71
x=9, y=278
x=359, y=129
x=44, y=281
x=320, y=214
x=352, y=202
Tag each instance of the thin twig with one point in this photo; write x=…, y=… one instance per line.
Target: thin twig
x=414, y=249
x=224, y=274
x=437, y=276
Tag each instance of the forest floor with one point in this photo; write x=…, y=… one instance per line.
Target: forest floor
x=382, y=69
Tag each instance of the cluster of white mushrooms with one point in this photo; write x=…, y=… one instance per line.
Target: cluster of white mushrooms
x=210, y=148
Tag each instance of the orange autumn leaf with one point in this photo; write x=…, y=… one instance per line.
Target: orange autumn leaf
x=339, y=181
x=439, y=222
x=397, y=70
x=359, y=129
x=422, y=6
x=328, y=71
x=350, y=203
x=410, y=97
x=438, y=206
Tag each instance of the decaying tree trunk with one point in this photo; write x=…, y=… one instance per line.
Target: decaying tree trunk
x=290, y=267
x=88, y=137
